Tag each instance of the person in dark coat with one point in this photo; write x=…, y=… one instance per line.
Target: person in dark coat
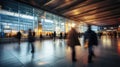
x=31, y=39
x=90, y=37
x=72, y=41
x=41, y=36
x=54, y=35
x=65, y=35
x=61, y=35
x=115, y=34
x=99, y=34
x=19, y=36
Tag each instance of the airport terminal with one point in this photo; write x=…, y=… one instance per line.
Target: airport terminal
x=39, y=33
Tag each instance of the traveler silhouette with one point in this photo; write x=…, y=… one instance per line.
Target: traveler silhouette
x=72, y=41
x=61, y=36
x=41, y=36
x=18, y=36
x=31, y=39
x=115, y=34
x=65, y=35
x=99, y=35
x=54, y=35
x=90, y=37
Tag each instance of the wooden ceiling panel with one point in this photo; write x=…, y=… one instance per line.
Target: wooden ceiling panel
x=73, y=3
x=97, y=10
x=90, y=11
x=88, y=8
x=99, y=19
x=54, y=4
x=85, y=3
x=103, y=14
x=100, y=10
x=64, y=5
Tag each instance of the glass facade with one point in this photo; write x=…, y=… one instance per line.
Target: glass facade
x=15, y=16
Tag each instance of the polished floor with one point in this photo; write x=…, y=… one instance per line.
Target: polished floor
x=50, y=53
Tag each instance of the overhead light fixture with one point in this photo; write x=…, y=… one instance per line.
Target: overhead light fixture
x=111, y=27
x=67, y=0
x=119, y=25
x=104, y=27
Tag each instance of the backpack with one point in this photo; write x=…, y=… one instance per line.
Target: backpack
x=91, y=36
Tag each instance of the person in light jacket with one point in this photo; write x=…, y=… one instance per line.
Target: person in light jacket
x=72, y=41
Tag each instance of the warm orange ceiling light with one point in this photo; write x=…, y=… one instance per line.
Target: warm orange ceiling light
x=51, y=1
x=89, y=17
x=67, y=0
x=75, y=12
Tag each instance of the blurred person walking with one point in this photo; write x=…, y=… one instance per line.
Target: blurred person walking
x=31, y=39
x=72, y=41
x=61, y=35
x=54, y=35
x=91, y=38
x=18, y=36
x=41, y=36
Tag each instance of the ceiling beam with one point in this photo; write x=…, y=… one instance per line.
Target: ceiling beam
x=64, y=4
x=97, y=10
x=85, y=3
x=99, y=19
x=88, y=7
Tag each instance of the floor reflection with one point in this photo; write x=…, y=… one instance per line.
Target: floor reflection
x=118, y=46
x=28, y=49
x=17, y=48
x=106, y=41
x=32, y=57
x=53, y=52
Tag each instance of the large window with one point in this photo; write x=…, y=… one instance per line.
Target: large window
x=18, y=16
